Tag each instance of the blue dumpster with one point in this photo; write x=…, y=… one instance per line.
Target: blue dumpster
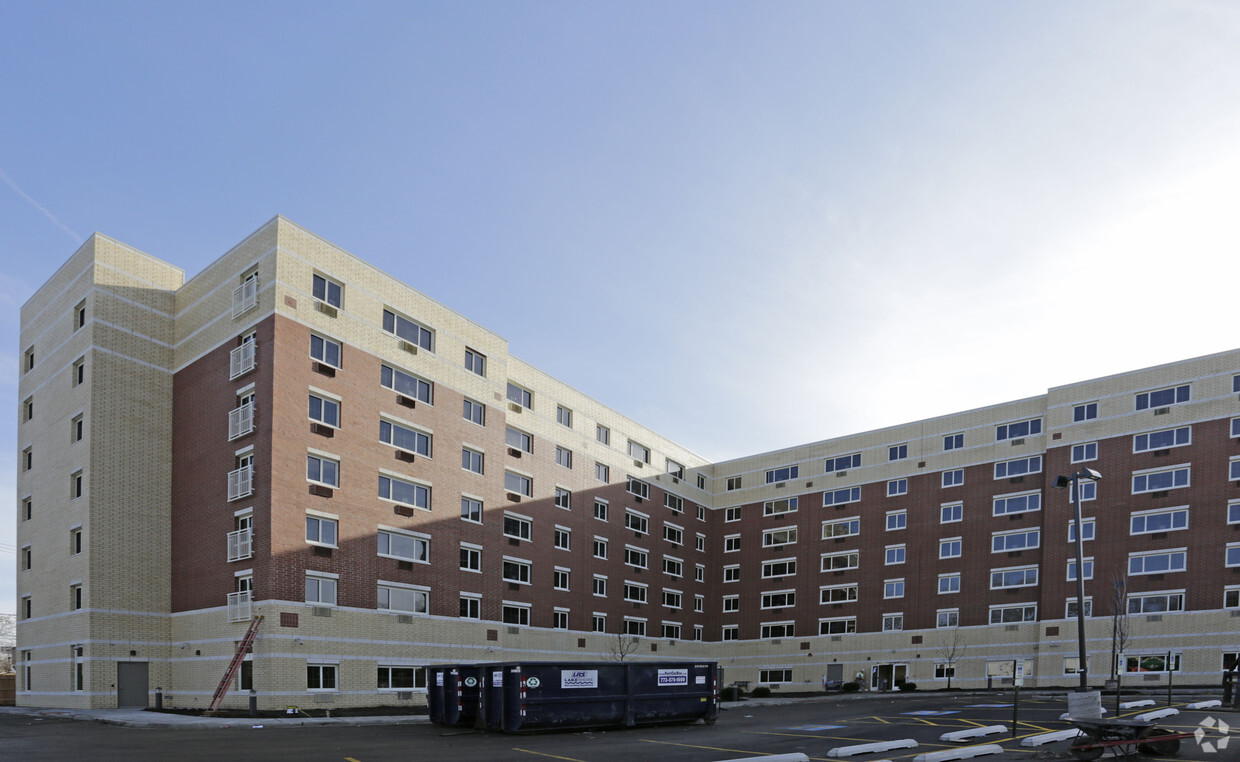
x=460, y=695
x=434, y=693
x=490, y=697
x=559, y=695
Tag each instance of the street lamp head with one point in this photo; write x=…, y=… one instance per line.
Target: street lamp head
x=1090, y=474
x=1062, y=482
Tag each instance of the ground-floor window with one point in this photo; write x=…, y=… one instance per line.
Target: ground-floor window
x=774, y=675
x=401, y=678
x=321, y=677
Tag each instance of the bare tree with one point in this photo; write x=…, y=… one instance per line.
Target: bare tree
x=622, y=646
x=949, y=652
x=1120, y=624
x=8, y=640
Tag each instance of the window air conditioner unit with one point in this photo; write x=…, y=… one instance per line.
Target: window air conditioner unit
x=322, y=611
x=408, y=457
x=1162, y=411
x=514, y=452
x=406, y=401
x=409, y=347
x=1018, y=442
x=320, y=490
x=327, y=309
x=322, y=430
x=514, y=497
x=325, y=369
x=514, y=407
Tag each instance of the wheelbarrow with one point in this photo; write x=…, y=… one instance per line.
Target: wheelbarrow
x=1123, y=737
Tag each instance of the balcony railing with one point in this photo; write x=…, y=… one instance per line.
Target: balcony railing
x=240, y=482
x=240, y=544
x=242, y=359
x=245, y=297
x=239, y=607
x=241, y=421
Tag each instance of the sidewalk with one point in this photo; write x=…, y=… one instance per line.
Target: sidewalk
x=140, y=718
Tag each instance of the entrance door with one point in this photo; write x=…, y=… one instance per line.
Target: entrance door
x=835, y=674
x=131, y=684
x=886, y=677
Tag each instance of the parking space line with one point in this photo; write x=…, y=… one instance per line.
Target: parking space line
x=544, y=754
x=803, y=735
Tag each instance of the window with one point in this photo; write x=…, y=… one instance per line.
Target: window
x=893, y=622
x=953, y=442
x=415, y=333
x=1026, y=612
x=27, y=558
x=843, y=462
x=600, y=510
x=321, y=531
x=600, y=585
x=672, y=599
x=634, y=626
x=78, y=376
x=947, y=618
x=1235, y=427
x=1155, y=603
x=639, y=452
x=1233, y=512
x=775, y=537
x=1086, y=412
x=1157, y=562
x=1018, y=467
x=638, y=488
x=674, y=534
x=638, y=558
x=1070, y=607
x=475, y=362
x=406, y=546
x=1233, y=469
x=897, y=452
x=1024, y=503
x=897, y=487
x=839, y=626
x=471, y=460
x=325, y=351
x=602, y=472
x=699, y=573
x=1015, y=576
x=894, y=554
x=519, y=440
x=1089, y=525
x=638, y=522
x=733, y=483
x=600, y=547
x=404, y=438
x=732, y=514
x=732, y=573
x=28, y=410
x=776, y=507
x=953, y=478
x=474, y=412
x=673, y=567
x=518, y=483
x=838, y=593
x=1161, y=440
x=562, y=538
x=75, y=541
x=321, y=589
x=674, y=469
x=674, y=502
x=27, y=458
x=406, y=384
x=1164, y=520
x=777, y=630
x=321, y=677
x=784, y=567
x=75, y=485
x=849, y=559
x=635, y=592
x=599, y=623
x=893, y=588
x=944, y=671
x=79, y=315
x=841, y=496
x=781, y=599
x=563, y=416
x=325, y=411
x=897, y=520
x=516, y=570
x=406, y=493
x=563, y=457
x=950, y=547
x=730, y=632
x=327, y=290
x=28, y=360
x=782, y=474
x=671, y=631
x=1087, y=562
x=471, y=509
x=559, y=619
x=1019, y=539
x=471, y=557
x=559, y=578
x=1018, y=429
x=409, y=599
x=401, y=678
x=949, y=583
x=841, y=527
x=1163, y=397
x=518, y=527
x=950, y=513
x=28, y=508
x=1152, y=663
x=1084, y=452
x=515, y=613
x=731, y=604
x=1156, y=480
x=320, y=470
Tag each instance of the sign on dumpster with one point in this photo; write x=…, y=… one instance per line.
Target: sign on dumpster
x=579, y=678
x=673, y=677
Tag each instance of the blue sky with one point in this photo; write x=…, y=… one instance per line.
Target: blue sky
x=747, y=225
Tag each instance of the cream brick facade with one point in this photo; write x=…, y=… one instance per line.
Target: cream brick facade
x=146, y=330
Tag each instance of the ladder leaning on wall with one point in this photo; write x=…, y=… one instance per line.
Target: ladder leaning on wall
x=234, y=665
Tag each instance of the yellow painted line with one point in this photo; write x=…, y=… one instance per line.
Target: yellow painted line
x=750, y=752
x=351, y=759
x=552, y=756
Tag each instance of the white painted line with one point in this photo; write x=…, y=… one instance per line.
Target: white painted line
x=1068, y=716
x=1204, y=704
x=870, y=748
x=1061, y=735
x=1136, y=704
x=964, y=735
x=1148, y=716
x=794, y=757
x=966, y=753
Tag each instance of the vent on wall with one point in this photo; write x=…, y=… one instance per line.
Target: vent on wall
x=1162, y=410
x=405, y=618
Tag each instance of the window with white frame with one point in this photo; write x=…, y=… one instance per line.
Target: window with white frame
x=327, y=290
x=325, y=411
x=1160, y=479
x=563, y=416
x=848, y=527
x=1008, y=469
x=639, y=452
x=475, y=362
x=559, y=619
x=777, y=630
x=1089, y=527
x=1018, y=429
x=673, y=567
x=399, y=678
x=950, y=547
x=1172, y=395
x=1235, y=428
x=402, y=598
x=843, y=462
x=1233, y=469
x=674, y=469
x=779, y=599
x=944, y=671
x=471, y=557
x=520, y=396
x=562, y=538
x=897, y=487
x=848, y=559
x=1163, y=440
x=897, y=520
x=951, y=513
x=1156, y=603
x=598, y=622
x=893, y=588
x=471, y=460
x=894, y=554
x=953, y=478
x=699, y=573
x=602, y=434
x=1085, y=412
x=321, y=588
x=730, y=632
x=637, y=521
x=949, y=583
x=321, y=530
x=405, y=438
x=474, y=412
x=638, y=558
x=731, y=604
x=321, y=677
x=516, y=570
x=1231, y=558
x=519, y=440
x=1082, y=453
x=947, y=618
x=1026, y=502
x=1231, y=597
x=515, y=613
x=897, y=452
x=411, y=331
x=1087, y=562
x=783, y=567
x=563, y=457
x=1157, y=561
x=321, y=469
x=953, y=442
x=563, y=498
x=731, y=514
x=893, y=622
x=325, y=350
x=1159, y=520
x=471, y=509
x=638, y=488
x=1014, y=613
x=674, y=534
x=600, y=510
x=782, y=474
x=602, y=472
x=672, y=599
x=517, y=526
x=841, y=496
x=634, y=626
x=406, y=384
x=635, y=592
x=845, y=593
x=772, y=538
x=405, y=492
x=1013, y=576
x=837, y=625
x=599, y=585
x=732, y=573
x=404, y=545
x=1014, y=540
x=560, y=578
x=1070, y=607
x=518, y=483
x=674, y=503
x=600, y=547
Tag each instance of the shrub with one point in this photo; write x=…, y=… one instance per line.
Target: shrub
x=761, y=692
x=730, y=693
x=908, y=686
x=849, y=687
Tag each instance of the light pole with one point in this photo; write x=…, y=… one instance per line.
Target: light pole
x=1074, y=481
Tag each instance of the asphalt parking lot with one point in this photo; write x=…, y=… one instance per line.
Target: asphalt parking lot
x=813, y=726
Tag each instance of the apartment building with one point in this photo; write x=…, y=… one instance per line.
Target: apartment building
x=295, y=435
